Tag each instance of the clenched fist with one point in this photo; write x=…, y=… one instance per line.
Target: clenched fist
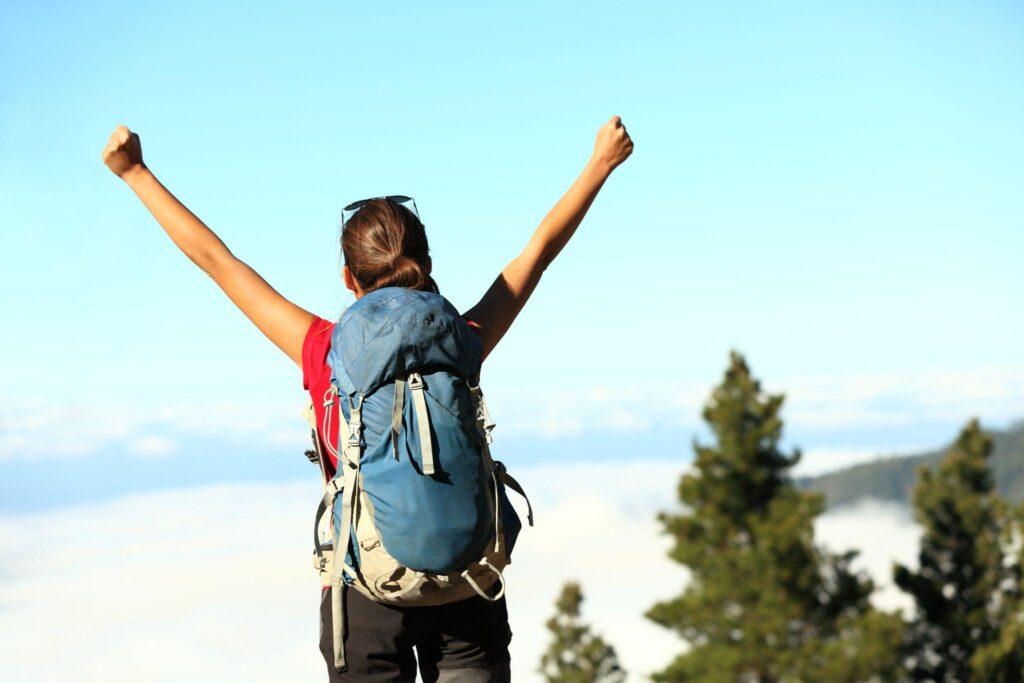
x=613, y=144
x=123, y=154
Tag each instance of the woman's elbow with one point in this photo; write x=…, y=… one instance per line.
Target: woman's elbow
x=211, y=262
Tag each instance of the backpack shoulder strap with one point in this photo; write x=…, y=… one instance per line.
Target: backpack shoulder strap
x=348, y=468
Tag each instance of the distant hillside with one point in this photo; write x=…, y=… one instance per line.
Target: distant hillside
x=894, y=478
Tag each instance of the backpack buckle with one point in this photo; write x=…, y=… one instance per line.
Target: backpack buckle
x=355, y=425
x=353, y=435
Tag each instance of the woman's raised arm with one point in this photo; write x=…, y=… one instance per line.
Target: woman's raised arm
x=284, y=323
x=506, y=296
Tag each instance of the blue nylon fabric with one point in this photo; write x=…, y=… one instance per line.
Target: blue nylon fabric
x=393, y=330
x=435, y=524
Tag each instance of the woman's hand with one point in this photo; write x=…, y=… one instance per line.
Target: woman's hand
x=505, y=298
x=123, y=153
x=613, y=144
x=283, y=322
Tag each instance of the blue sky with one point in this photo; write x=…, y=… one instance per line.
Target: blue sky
x=831, y=188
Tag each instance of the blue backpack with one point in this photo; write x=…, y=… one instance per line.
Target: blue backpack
x=418, y=507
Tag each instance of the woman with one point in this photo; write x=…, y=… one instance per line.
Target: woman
x=384, y=244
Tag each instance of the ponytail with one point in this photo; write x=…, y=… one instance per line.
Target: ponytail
x=403, y=272
x=385, y=245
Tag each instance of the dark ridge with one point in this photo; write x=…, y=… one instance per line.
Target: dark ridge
x=893, y=478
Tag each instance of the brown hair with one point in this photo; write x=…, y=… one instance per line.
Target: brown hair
x=385, y=245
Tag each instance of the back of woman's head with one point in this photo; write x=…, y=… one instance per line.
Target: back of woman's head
x=385, y=245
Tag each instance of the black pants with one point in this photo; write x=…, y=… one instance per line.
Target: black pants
x=465, y=641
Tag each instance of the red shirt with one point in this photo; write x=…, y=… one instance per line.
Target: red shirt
x=316, y=378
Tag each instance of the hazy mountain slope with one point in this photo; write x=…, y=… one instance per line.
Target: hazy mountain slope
x=893, y=478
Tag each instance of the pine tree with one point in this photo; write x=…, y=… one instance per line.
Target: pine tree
x=763, y=604
x=576, y=655
x=1002, y=661
x=966, y=588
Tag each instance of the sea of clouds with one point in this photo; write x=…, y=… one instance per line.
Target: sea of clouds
x=160, y=577
x=214, y=582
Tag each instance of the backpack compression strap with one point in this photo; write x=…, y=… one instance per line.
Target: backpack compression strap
x=486, y=426
x=330, y=492
x=510, y=481
x=396, y=415
x=419, y=402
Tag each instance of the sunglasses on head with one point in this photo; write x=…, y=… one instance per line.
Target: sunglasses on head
x=396, y=198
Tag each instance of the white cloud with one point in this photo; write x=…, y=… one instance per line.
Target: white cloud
x=596, y=524
x=593, y=409
x=152, y=446
x=216, y=577
x=812, y=403
x=36, y=429
x=816, y=404
x=885, y=533
x=220, y=576
x=31, y=428
x=868, y=400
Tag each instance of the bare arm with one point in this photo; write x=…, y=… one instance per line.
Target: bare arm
x=283, y=322
x=508, y=294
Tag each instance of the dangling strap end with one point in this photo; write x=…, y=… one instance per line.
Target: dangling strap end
x=397, y=414
x=510, y=482
x=338, y=626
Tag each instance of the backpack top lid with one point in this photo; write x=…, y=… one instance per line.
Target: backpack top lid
x=392, y=330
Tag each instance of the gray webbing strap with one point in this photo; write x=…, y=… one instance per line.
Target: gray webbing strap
x=509, y=481
x=483, y=416
x=497, y=514
x=396, y=414
x=485, y=424
x=338, y=588
x=476, y=586
x=330, y=491
x=422, y=422
x=353, y=455
x=338, y=624
x=495, y=501
x=420, y=577
x=337, y=582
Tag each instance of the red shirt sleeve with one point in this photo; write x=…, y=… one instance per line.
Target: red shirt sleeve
x=314, y=353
